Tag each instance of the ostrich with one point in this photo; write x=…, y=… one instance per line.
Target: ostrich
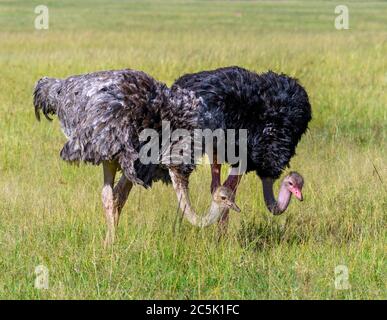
x=102, y=115
x=275, y=110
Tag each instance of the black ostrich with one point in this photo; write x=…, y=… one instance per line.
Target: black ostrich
x=102, y=115
x=275, y=110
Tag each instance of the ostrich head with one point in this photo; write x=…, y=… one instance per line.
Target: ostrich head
x=294, y=183
x=223, y=199
x=291, y=185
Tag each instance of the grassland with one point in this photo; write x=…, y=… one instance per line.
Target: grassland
x=51, y=214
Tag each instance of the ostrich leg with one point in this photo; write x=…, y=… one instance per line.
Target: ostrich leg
x=232, y=183
x=215, y=173
x=113, y=199
x=121, y=193
x=111, y=213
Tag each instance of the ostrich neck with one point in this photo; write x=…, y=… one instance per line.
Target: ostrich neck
x=284, y=195
x=181, y=188
x=213, y=215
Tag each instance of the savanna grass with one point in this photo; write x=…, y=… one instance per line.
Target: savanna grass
x=51, y=213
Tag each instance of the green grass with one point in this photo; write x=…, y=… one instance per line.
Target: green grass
x=51, y=213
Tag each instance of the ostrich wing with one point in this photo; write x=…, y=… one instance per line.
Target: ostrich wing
x=106, y=133
x=102, y=114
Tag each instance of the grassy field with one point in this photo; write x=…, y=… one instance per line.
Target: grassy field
x=51, y=213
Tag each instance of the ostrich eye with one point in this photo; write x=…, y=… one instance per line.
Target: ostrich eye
x=223, y=197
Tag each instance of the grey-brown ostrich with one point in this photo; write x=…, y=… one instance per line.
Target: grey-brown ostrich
x=102, y=115
x=275, y=110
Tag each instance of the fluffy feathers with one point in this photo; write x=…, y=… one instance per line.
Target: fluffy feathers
x=274, y=108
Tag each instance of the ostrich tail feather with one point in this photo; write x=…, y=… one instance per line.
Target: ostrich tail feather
x=46, y=94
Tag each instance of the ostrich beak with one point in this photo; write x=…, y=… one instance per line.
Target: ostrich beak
x=232, y=205
x=297, y=193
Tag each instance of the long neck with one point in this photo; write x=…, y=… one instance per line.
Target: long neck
x=213, y=215
x=274, y=206
x=180, y=184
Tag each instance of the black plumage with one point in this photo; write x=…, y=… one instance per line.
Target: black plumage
x=274, y=108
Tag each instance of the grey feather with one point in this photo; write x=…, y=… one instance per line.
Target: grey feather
x=103, y=113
